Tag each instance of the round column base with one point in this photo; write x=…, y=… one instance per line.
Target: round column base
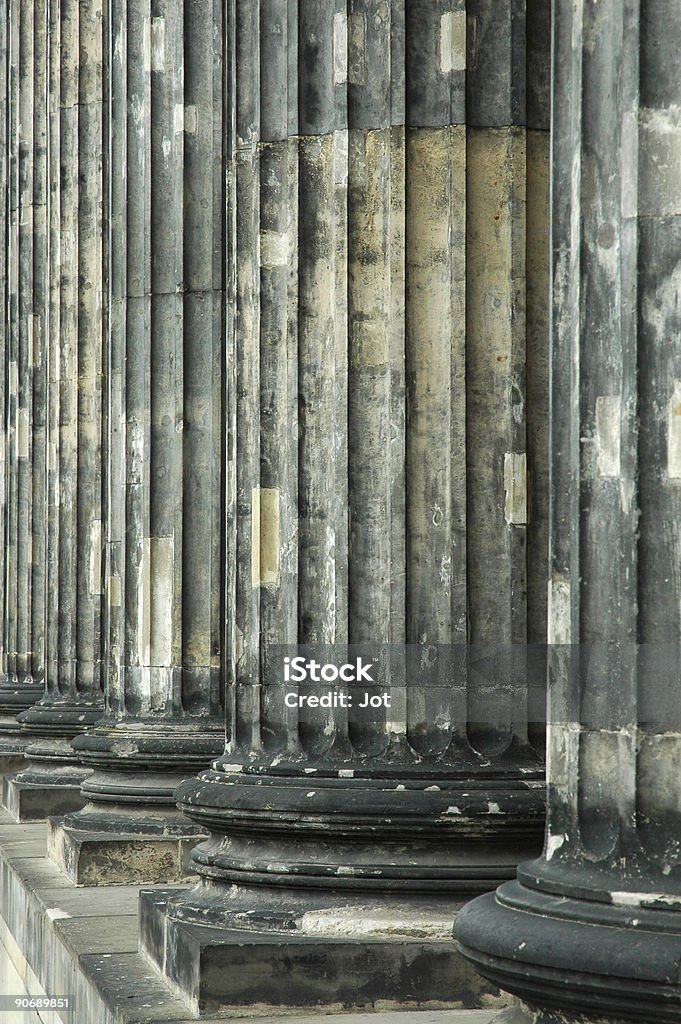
x=13, y=740
x=348, y=831
x=573, y=960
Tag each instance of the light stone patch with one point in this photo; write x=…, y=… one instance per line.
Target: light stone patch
x=274, y=249
x=515, y=486
x=146, y=44
x=453, y=42
x=95, y=557
x=674, y=433
x=143, y=622
x=266, y=536
x=340, y=157
x=364, y=921
x=158, y=44
x=22, y=434
x=608, y=435
x=340, y=48
x=114, y=591
x=161, y=617
x=559, y=625
x=660, y=162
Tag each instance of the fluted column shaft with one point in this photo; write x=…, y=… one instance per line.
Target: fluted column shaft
x=24, y=370
x=361, y=161
x=359, y=433
x=164, y=442
x=66, y=590
x=592, y=928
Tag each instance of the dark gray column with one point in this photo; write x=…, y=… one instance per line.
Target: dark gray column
x=356, y=442
x=165, y=370
x=591, y=930
x=67, y=450
x=22, y=668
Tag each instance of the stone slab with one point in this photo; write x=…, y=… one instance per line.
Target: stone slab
x=106, y=858
x=39, y=873
x=26, y=802
x=90, y=935
x=83, y=941
x=221, y=971
x=12, y=763
x=387, y=1017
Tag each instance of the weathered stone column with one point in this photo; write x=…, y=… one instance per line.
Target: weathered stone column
x=164, y=369
x=67, y=457
x=22, y=656
x=348, y=390
x=592, y=930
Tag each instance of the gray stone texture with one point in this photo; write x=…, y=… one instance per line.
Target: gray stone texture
x=274, y=371
x=590, y=931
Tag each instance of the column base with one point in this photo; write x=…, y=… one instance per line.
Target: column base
x=33, y=795
x=130, y=830
x=13, y=739
x=577, y=960
x=51, y=776
x=130, y=833
x=334, y=955
x=348, y=829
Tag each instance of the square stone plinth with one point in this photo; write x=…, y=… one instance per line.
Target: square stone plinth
x=30, y=802
x=221, y=971
x=110, y=858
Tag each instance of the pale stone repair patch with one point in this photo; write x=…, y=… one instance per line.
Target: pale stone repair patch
x=22, y=434
x=161, y=618
x=559, y=627
x=274, y=249
x=114, y=591
x=659, y=168
x=608, y=435
x=364, y=921
x=453, y=42
x=515, y=487
x=340, y=157
x=266, y=536
x=95, y=557
x=674, y=433
x=158, y=44
x=340, y=48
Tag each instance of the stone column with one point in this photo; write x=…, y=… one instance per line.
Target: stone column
x=67, y=477
x=356, y=442
x=591, y=930
x=21, y=682
x=165, y=367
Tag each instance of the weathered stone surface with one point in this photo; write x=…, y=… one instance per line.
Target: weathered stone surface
x=57, y=794
x=88, y=857
x=266, y=369
x=280, y=965
x=377, y=262
x=161, y=538
x=590, y=931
